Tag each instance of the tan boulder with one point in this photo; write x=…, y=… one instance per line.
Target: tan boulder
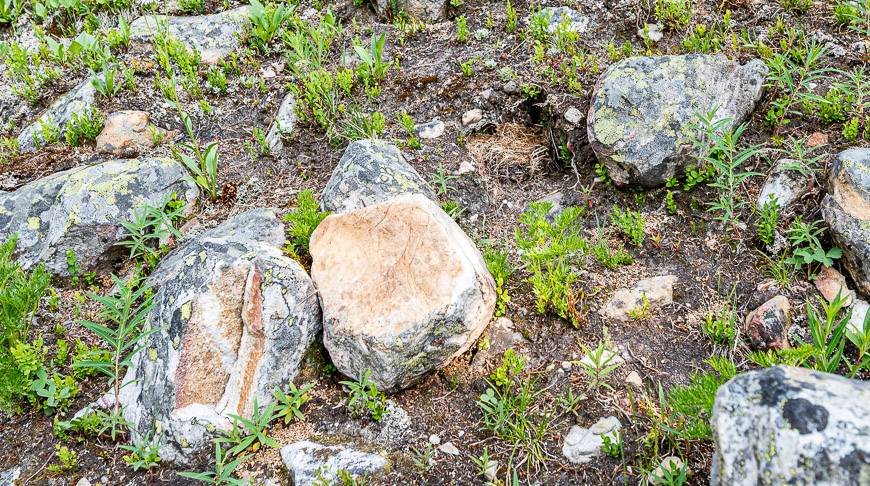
x=402, y=288
x=126, y=132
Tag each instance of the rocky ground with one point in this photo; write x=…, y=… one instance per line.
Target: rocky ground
x=581, y=243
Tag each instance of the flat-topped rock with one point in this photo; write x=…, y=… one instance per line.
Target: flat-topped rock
x=75, y=102
x=214, y=36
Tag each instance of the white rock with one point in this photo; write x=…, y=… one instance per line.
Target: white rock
x=634, y=379
x=472, y=116
x=465, y=167
x=434, y=439
x=284, y=123
x=582, y=444
x=430, y=130
x=449, y=448
x=574, y=116
x=309, y=462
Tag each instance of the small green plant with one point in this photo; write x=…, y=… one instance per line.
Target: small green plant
x=302, y=222
x=768, y=220
x=461, y=29
x=201, y=162
x=68, y=460
x=407, y=124
x=441, y=180
x=265, y=23
x=674, y=14
x=364, y=397
x=147, y=233
x=599, y=364
x=467, y=68
x=192, y=6
x=721, y=327
x=641, y=312
x=424, y=459
x=612, y=444
x=143, y=454
x=828, y=332
x=854, y=14
x=250, y=433
x=360, y=125
x=83, y=127
x=807, y=249
x=630, y=223
x=510, y=18
x=289, y=404
x=223, y=470
x=106, y=84
x=499, y=266
x=608, y=253
x=485, y=464
x=10, y=10
x=372, y=68
x=217, y=80
x=796, y=6
x=512, y=365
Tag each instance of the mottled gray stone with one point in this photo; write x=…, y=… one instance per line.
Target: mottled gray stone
x=572, y=20
x=234, y=317
x=785, y=425
x=81, y=210
x=214, y=36
x=583, y=444
x=311, y=462
x=370, y=172
x=284, y=123
x=784, y=184
x=421, y=9
x=643, y=108
x=846, y=209
x=74, y=102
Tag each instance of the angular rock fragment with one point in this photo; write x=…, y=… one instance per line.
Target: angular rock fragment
x=643, y=109
x=126, y=132
x=785, y=185
x=767, y=326
x=846, y=209
x=80, y=210
x=284, y=123
x=370, y=172
x=583, y=444
x=403, y=290
x=657, y=291
x=311, y=463
x=234, y=317
x=785, y=425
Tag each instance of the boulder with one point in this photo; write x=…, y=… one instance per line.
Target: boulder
x=846, y=209
x=767, y=326
x=81, y=210
x=785, y=185
x=311, y=463
x=643, y=110
x=403, y=290
x=658, y=291
x=234, y=317
x=284, y=123
x=126, y=132
x=785, y=425
x=564, y=17
x=75, y=102
x=420, y=9
x=214, y=36
x=584, y=444
x=370, y=172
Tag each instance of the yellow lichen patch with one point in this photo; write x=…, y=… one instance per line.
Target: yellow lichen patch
x=607, y=129
x=33, y=223
x=185, y=310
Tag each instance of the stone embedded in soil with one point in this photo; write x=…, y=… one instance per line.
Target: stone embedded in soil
x=371, y=172
x=472, y=116
x=430, y=130
x=830, y=283
x=846, y=209
x=643, y=108
x=668, y=468
x=767, y=325
x=584, y=444
x=284, y=123
x=859, y=314
x=80, y=210
x=659, y=291
x=403, y=290
x=214, y=36
x=420, y=9
x=74, y=102
x=502, y=335
x=796, y=425
x=234, y=318
x=310, y=463
x=784, y=185
x=563, y=17
x=126, y=132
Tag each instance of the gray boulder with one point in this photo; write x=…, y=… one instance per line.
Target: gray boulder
x=785, y=185
x=234, y=317
x=785, y=425
x=284, y=123
x=643, y=108
x=311, y=463
x=370, y=172
x=214, y=36
x=74, y=102
x=846, y=209
x=81, y=210
x=564, y=17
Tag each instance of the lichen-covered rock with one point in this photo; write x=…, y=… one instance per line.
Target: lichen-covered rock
x=785, y=425
x=234, y=317
x=421, y=9
x=311, y=463
x=214, y=36
x=785, y=185
x=285, y=121
x=370, y=172
x=74, y=102
x=767, y=326
x=403, y=290
x=643, y=109
x=81, y=210
x=125, y=132
x=846, y=209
